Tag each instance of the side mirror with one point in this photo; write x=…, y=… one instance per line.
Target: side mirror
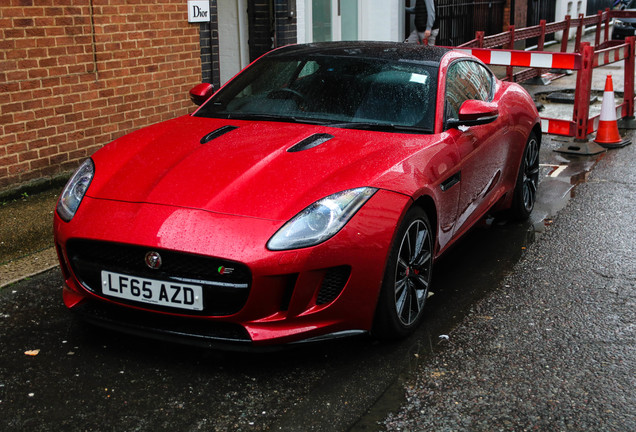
x=475, y=112
x=201, y=92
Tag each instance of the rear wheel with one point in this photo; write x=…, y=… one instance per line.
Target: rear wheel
x=525, y=194
x=406, y=279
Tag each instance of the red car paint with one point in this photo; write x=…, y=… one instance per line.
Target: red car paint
x=160, y=187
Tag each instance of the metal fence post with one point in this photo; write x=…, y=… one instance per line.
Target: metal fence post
x=581, y=145
x=479, y=35
x=628, y=121
x=597, y=36
x=509, y=70
x=566, y=34
x=540, y=45
x=607, y=25
x=579, y=34
x=629, y=76
x=583, y=92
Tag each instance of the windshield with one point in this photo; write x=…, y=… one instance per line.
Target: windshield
x=334, y=90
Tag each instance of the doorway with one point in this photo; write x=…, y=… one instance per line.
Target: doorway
x=333, y=20
x=233, y=37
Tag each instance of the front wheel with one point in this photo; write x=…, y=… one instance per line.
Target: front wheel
x=406, y=279
x=525, y=194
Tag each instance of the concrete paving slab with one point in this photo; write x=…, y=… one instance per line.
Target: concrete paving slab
x=28, y=266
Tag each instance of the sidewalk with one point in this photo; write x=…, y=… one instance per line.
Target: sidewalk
x=26, y=236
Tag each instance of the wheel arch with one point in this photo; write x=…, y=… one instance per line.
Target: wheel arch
x=537, y=132
x=426, y=203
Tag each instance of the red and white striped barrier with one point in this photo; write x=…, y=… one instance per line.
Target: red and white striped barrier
x=525, y=58
x=557, y=126
x=610, y=55
x=568, y=127
x=583, y=62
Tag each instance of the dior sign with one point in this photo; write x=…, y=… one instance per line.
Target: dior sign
x=198, y=11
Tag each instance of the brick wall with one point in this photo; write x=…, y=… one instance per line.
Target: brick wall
x=520, y=13
x=209, y=42
x=76, y=74
x=261, y=32
x=285, y=24
x=270, y=26
x=507, y=16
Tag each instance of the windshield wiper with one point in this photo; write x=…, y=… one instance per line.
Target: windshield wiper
x=380, y=127
x=272, y=117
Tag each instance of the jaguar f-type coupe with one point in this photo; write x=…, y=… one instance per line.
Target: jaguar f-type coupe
x=307, y=198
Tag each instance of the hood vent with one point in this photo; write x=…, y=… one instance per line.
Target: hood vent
x=310, y=142
x=217, y=133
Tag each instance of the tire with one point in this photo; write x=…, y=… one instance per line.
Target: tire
x=407, y=278
x=525, y=193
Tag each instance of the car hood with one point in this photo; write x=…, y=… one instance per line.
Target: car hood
x=249, y=169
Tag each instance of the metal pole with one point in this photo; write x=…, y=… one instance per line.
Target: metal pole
x=511, y=46
x=479, y=35
x=581, y=146
x=628, y=121
x=607, y=25
x=597, y=36
x=566, y=34
x=579, y=34
x=583, y=92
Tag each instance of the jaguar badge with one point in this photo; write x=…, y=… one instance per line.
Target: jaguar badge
x=153, y=260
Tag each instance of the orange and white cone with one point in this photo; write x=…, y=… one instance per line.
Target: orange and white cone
x=607, y=134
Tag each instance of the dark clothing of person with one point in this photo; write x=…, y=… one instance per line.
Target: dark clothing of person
x=421, y=16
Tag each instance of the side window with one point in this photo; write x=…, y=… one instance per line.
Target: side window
x=482, y=79
x=459, y=87
x=466, y=80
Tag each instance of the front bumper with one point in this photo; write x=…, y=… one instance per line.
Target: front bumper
x=294, y=295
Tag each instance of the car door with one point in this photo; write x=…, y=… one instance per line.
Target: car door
x=480, y=149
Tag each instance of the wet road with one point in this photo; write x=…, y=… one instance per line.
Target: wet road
x=554, y=347
x=83, y=378
x=90, y=379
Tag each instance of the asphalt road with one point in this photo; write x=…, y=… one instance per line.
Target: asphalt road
x=554, y=347
x=83, y=378
x=539, y=318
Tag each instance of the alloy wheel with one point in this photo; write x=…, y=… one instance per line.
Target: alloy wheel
x=413, y=272
x=530, y=174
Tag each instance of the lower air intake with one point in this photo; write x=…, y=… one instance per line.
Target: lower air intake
x=332, y=285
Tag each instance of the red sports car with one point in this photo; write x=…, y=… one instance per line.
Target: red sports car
x=308, y=198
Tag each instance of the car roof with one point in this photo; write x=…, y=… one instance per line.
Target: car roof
x=363, y=49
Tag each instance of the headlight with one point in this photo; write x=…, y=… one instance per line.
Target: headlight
x=321, y=220
x=74, y=190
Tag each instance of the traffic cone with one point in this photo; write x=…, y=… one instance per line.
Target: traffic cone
x=607, y=134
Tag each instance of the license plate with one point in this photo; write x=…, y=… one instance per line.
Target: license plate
x=156, y=292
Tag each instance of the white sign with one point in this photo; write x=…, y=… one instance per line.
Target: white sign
x=198, y=11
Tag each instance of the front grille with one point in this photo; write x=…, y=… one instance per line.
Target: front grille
x=333, y=284
x=226, y=284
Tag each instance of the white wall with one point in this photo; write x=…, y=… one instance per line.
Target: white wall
x=233, y=37
x=301, y=22
x=381, y=20
x=572, y=8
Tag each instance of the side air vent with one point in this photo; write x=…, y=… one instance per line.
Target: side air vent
x=310, y=142
x=332, y=285
x=217, y=133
